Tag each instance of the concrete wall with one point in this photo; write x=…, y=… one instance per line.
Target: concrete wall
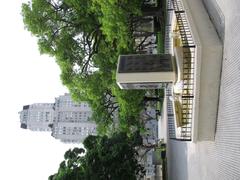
x=216, y=16
x=207, y=70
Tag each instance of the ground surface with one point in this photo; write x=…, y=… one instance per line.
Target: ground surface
x=218, y=160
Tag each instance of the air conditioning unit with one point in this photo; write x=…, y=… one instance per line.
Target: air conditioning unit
x=142, y=71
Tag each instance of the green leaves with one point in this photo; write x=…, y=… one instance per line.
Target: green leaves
x=105, y=158
x=70, y=167
x=86, y=38
x=116, y=20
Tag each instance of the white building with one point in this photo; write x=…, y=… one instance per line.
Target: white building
x=37, y=117
x=68, y=121
x=71, y=120
x=147, y=162
x=73, y=132
x=149, y=166
x=151, y=135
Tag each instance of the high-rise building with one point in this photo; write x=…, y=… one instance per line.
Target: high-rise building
x=37, y=117
x=73, y=132
x=68, y=121
x=72, y=120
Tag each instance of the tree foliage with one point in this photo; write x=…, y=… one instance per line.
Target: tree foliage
x=86, y=38
x=105, y=159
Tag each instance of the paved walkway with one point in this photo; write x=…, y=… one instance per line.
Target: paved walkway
x=218, y=160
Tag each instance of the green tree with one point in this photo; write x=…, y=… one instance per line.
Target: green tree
x=69, y=168
x=116, y=20
x=105, y=159
x=68, y=30
x=86, y=38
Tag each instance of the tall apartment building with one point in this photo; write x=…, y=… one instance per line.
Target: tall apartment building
x=71, y=120
x=68, y=121
x=37, y=117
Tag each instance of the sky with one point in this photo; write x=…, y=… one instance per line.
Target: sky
x=26, y=77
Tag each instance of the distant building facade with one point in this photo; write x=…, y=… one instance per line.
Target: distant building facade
x=68, y=121
x=37, y=117
x=151, y=135
x=71, y=120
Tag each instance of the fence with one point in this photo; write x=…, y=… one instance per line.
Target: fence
x=187, y=95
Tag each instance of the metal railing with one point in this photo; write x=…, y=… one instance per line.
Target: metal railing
x=187, y=95
x=168, y=25
x=170, y=114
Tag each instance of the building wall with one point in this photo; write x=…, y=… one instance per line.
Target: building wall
x=151, y=136
x=68, y=121
x=73, y=132
x=71, y=120
x=37, y=116
x=149, y=166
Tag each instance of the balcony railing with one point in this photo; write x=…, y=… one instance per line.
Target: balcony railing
x=187, y=94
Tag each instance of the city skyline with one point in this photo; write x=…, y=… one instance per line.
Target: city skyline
x=67, y=120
